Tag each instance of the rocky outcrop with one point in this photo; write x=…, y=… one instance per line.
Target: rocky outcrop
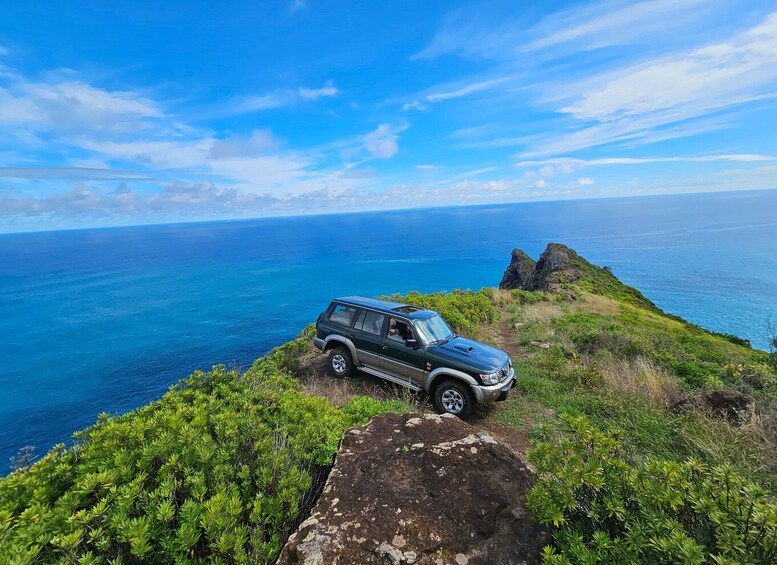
x=422, y=489
x=736, y=408
x=519, y=271
x=557, y=265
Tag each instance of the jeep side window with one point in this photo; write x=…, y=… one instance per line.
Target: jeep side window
x=359, y=320
x=372, y=322
x=343, y=314
x=399, y=330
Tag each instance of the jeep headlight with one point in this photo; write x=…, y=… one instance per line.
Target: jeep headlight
x=490, y=378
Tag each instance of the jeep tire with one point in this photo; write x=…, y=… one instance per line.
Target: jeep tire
x=454, y=397
x=340, y=363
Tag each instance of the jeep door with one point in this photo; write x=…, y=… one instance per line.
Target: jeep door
x=366, y=335
x=405, y=362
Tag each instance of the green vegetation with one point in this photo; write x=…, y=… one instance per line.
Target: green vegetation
x=216, y=471
x=606, y=510
x=599, y=280
x=636, y=478
x=462, y=309
x=625, y=368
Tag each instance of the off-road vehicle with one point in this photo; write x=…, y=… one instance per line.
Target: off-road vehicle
x=415, y=348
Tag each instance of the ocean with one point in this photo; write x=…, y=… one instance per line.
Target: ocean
x=105, y=320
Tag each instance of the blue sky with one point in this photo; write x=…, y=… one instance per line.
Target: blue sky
x=138, y=112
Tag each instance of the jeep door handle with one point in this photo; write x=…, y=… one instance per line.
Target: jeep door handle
x=385, y=347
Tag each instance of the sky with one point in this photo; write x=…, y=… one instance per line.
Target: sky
x=121, y=113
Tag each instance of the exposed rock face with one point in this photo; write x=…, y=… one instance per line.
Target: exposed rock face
x=736, y=408
x=519, y=271
x=420, y=489
x=556, y=265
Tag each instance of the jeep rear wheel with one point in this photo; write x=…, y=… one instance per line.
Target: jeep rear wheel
x=454, y=397
x=340, y=362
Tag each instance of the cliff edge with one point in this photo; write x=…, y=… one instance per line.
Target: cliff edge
x=423, y=489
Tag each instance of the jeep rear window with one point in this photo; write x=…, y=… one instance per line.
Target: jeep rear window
x=343, y=314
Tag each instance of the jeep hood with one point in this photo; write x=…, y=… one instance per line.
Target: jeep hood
x=473, y=353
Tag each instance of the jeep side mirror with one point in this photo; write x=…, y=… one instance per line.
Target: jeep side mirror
x=411, y=343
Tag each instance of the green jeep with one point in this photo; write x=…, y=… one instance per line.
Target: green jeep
x=415, y=348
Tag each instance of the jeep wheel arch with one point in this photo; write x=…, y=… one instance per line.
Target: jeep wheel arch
x=338, y=341
x=443, y=373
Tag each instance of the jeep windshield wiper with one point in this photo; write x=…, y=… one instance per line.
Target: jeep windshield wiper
x=443, y=340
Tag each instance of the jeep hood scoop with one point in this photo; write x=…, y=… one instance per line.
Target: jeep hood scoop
x=473, y=353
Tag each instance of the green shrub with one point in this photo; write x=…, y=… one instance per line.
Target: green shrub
x=215, y=471
x=462, y=309
x=529, y=296
x=605, y=510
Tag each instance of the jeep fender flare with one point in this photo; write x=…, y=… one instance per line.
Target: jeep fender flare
x=328, y=344
x=440, y=373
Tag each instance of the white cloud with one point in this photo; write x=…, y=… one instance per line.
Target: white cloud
x=272, y=100
x=500, y=32
x=76, y=173
x=246, y=104
x=585, y=181
x=693, y=83
x=613, y=23
x=259, y=141
x=465, y=90
x=549, y=167
x=72, y=106
x=540, y=184
x=329, y=89
x=414, y=104
x=619, y=106
x=382, y=143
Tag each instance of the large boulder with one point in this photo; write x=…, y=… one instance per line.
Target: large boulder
x=736, y=408
x=555, y=267
x=519, y=271
x=422, y=489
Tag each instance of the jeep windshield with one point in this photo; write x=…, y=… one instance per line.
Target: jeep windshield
x=433, y=330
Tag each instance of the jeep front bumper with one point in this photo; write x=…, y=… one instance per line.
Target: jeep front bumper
x=319, y=343
x=495, y=393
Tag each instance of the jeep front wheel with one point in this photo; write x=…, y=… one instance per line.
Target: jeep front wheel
x=340, y=362
x=454, y=397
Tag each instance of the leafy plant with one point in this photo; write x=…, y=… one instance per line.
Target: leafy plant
x=216, y=471
x=603, y=509
x=462, y=309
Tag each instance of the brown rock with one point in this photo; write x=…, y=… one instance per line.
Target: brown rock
x=737, y=408
x=518, y=272
x=421, y=489
x=555, y=267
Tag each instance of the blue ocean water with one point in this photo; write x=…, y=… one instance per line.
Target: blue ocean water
x=104, y=320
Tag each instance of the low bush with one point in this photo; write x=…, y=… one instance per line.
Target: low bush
x=216, y=471
x=529, y=296
x=604, y=509
x=462, y=309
